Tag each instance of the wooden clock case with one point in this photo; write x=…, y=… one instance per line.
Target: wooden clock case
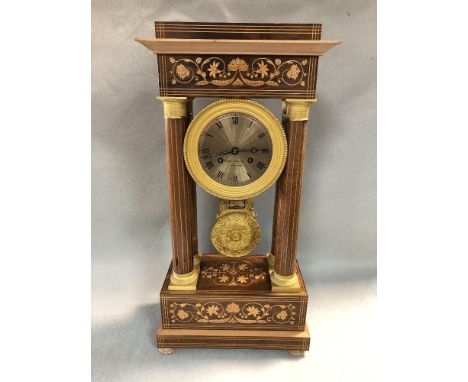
x=209, y=300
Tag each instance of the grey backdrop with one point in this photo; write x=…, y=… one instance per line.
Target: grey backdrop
x=131, y=247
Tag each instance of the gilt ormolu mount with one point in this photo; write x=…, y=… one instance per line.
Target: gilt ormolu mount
x=235, y=149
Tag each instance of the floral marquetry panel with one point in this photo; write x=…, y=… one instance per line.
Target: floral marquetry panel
x=239, y=75
x=232, y=312
x=234, y=294
x=222, y=273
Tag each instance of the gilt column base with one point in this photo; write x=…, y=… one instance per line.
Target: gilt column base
x=187, y=281
x=285, y=284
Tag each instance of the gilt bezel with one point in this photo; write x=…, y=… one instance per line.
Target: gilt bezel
x=271, y=124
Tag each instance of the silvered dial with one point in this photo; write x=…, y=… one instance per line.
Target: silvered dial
x=235, y=149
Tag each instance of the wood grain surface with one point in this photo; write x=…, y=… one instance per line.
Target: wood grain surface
x=233, y=339
x=243, y=47
x=205, y=75
x=246, y=31
x=193, y=190
x=288, y=200
x=236, y=307
x=181, y=197
x=248, y=273
x=206, y=59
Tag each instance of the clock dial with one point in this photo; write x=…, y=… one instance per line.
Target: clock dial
x=235, y=149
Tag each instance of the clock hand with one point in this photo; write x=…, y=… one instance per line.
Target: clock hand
x=213, y=155
x=253, y=150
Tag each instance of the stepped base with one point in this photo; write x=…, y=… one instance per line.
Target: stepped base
x=292, y=341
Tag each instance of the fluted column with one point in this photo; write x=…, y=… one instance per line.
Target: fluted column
x=182, y=202
x=193, y=198
x=288, y=198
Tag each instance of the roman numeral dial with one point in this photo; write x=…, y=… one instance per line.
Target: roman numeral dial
x=235, y=149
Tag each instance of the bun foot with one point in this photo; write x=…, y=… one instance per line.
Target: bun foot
x=166, y=351
x=296, y=352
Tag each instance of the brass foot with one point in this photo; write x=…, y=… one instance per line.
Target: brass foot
x=296, y=352
x=166, y=351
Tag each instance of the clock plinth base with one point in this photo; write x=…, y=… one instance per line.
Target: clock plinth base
x=296, y=342
x=233, y=297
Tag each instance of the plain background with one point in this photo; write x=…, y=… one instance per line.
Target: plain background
x=45, y=281
x=130, y=232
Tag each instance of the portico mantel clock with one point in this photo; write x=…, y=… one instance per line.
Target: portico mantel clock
x=235, y=149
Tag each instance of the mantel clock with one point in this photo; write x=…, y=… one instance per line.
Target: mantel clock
x=235, y=149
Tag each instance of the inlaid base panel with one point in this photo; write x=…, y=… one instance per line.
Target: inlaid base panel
x=234, y=294
x=233, y=339
x=243, y=274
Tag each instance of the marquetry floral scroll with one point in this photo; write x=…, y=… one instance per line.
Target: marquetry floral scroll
x=239, y=72
x=234, y=273
x=232, y=312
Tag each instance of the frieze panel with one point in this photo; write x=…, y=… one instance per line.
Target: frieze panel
x=232, y=312
x=226, y=75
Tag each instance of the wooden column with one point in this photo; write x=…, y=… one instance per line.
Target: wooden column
x=288, y=198
x=182, y=203
x=193, y=198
